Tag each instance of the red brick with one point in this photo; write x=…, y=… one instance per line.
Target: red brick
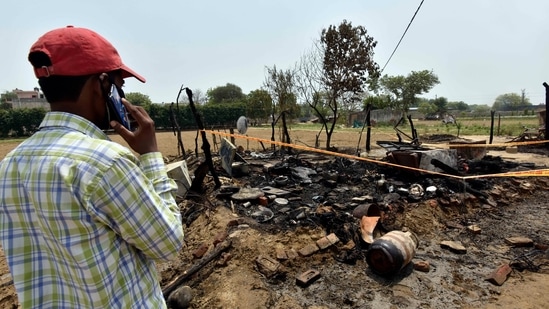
x=263, y=201
x=306, y=278
x=423, y=266
x=268, y=266
x=308, y=250
x=220, y=237
x=198, y=253
x=323, y=243
x=519, y=241
x=499, y=276
x=281, y=254
x=292, y=254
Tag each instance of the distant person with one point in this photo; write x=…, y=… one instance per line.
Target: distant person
x=82, y=219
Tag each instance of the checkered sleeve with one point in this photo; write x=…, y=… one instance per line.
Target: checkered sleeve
x=137, y=202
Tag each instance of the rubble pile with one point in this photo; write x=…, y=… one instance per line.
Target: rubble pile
x=354, y=203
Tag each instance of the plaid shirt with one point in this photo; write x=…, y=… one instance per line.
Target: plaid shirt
x=82, y=220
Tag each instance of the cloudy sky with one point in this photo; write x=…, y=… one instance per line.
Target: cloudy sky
x=478, y=48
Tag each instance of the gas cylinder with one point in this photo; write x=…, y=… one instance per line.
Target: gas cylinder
x=391, y=252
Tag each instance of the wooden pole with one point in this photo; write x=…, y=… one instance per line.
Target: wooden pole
x=368, y=127
x=205, y=143
x=492, y=115
x=546, y=110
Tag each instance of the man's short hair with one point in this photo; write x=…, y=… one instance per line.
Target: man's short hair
x=57, y=88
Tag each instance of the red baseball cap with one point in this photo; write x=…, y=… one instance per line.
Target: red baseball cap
x=78, y=52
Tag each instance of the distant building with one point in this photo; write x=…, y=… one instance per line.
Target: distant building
x=29, y=99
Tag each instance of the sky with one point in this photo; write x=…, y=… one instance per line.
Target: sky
x=479, y=49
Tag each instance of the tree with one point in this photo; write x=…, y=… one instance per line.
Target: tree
x=280, y=85
x=511, y=102
x=230, y=93
x=259, y=105
x=441, y=105
x=6, y=98
x=427, y=108
x=403, y=90
x=480, y=110
x=137, y=98
x=310, y=87
x=347, y=63
x=199, y=97
x=460, y=106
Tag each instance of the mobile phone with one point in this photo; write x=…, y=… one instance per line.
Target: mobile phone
x=117, y=110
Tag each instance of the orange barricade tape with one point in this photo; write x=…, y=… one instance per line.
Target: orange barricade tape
x=544, y=172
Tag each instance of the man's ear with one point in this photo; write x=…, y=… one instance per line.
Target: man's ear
x=105, y=83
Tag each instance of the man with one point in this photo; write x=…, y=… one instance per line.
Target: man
x=82, y=219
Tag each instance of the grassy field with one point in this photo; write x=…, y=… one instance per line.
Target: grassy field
x=305, y=134
x=509, y=126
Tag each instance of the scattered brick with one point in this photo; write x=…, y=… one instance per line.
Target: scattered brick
x=308, y=250
x=323, y=243
x=333, y=238
x=220, y=237
x=475, y=229
x=499, y=276
x=263, y=201
x=519, y=241
x=292, y=254
x=349, y=245
x=306, y=278
x=281, y=254
x=198, y=253
x=423, y=266
x=225, y=258
x=454, y=246
x=268, y=266
x=432, y=203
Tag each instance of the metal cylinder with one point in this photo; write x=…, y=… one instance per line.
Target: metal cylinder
x=391, y=252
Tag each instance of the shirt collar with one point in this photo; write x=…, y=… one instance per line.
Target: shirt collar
x=74, y=122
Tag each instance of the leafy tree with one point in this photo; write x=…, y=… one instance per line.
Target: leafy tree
x=137, y=98
x=480, y=110
x=460, y=106
x=347, y=63
x=403, y=90
x=427, y=108
x=511, y=102
x=259, y=104
x=6, y=97
x=441, y=105
x=230, y=93
x=281, y=86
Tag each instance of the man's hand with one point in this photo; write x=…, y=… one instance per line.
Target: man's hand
x=143, y=139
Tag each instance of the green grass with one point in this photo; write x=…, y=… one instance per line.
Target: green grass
x=509, y=126
x=11, y=140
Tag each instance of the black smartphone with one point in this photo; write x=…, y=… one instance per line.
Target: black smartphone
x=117, y=110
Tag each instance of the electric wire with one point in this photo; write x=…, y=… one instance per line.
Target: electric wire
x=402, y=37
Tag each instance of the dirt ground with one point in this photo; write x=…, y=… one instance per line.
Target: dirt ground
x=507, y=207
